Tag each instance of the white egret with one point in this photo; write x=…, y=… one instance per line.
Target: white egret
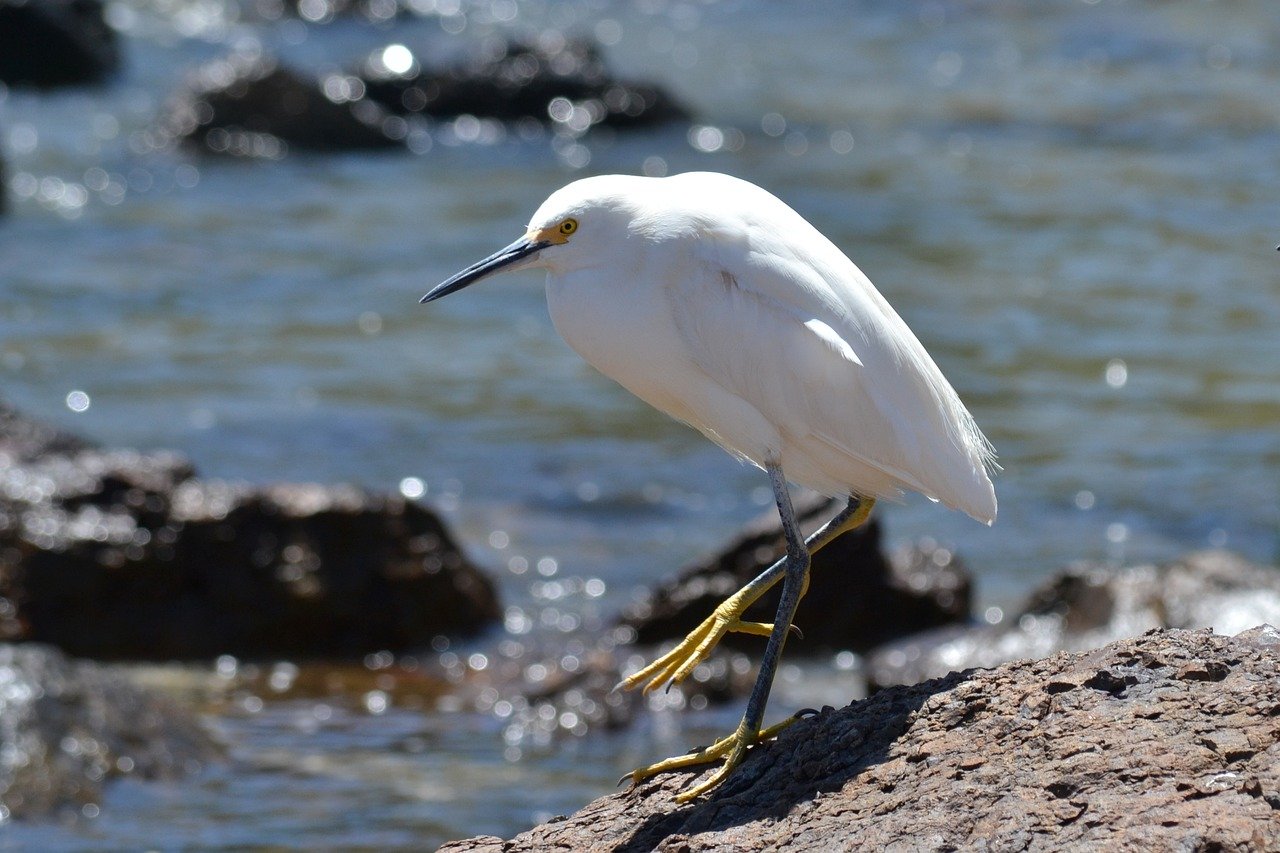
x=712, y=300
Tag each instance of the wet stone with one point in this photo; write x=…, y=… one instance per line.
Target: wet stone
x=859, y=597
x=48, y=44
x=68, y=727
x=120, y=554
x=249, y=105
x=554, y=81
x=1085, y=607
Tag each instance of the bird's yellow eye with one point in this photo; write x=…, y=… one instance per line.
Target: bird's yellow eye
x=568, y=227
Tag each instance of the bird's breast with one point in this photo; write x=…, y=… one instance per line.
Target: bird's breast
x=625, y=331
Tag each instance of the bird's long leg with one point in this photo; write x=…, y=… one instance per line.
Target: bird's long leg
x=676, y=665
x=795, y=573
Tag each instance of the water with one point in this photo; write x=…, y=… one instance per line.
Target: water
x=1071, y=203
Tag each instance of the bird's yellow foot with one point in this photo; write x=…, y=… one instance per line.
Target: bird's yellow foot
x=676, y=665
x=731, y=748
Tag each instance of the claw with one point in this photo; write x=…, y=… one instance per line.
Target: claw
x=732, y=749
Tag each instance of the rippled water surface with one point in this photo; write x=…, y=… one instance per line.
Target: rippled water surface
x=1072, y=203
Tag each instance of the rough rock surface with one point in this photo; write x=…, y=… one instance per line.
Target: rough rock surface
x=1089, y=606
x=51, y=43
x=858, y=598
x=1170, y=741
x=517, y=80
x=116, y=554
x=66, y=727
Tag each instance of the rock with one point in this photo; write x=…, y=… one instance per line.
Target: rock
x=858, y=597
x=1164, y=742
x=1088, y=606
x=51, y=43
x=247, y=105
x=327, y=11
x=67, y=727
x=115, y=554
x=565, y=82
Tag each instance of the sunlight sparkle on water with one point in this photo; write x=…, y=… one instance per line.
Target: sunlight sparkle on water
x=413, y=487
x=78, y=401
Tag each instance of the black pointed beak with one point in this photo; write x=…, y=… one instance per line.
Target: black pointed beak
x=506, y=258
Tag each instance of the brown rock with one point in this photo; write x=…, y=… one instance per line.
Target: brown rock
x=117, y=554
x=47, y=44
x=1110, y=749
x=247, y=105
x=1088, y=606
x=858, y=598
x=515, y=80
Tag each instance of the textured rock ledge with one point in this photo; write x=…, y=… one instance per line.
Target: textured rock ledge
x=1167, y=741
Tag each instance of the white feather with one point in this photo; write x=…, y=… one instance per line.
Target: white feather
x=714, y=301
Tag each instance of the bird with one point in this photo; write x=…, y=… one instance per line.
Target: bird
x=712, y=300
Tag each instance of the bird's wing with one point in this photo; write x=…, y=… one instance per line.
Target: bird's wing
x=833, y=368
x=790, y=363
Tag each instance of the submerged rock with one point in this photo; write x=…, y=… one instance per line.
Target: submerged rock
x=565, y=82
x=117, y=554
x=1088, y=606
x=858, y=597
x=67, y=727
x=1164, y=742
x=251, y=106
x=51, y=43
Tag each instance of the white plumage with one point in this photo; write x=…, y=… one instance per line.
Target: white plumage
x=715, y=302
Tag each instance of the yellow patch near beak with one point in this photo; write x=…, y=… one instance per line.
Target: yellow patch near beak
x=552, y=234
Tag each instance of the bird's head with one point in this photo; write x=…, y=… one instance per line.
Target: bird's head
x=574, y=228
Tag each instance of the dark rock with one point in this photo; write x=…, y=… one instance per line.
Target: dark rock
x=250, y=106
x=51, y=43
x=1086, y=607
x=327, y=11
x=565, y=82
x=67, y=727
x=999, y=759
x=116, y=554
x=858, y=598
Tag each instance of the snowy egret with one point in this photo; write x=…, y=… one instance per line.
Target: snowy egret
x=712, y=300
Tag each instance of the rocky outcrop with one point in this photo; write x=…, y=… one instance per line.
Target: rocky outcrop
x=564, y=82
x=68, y=727
x=51, y=43
x=1170, y=741
x=858, y=598
x=1089, y=606
x=251, y=106
x=117, y=554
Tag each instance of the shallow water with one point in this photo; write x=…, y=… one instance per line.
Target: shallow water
x=1071, y=203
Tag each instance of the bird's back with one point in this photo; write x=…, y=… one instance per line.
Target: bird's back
x=781, y=317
